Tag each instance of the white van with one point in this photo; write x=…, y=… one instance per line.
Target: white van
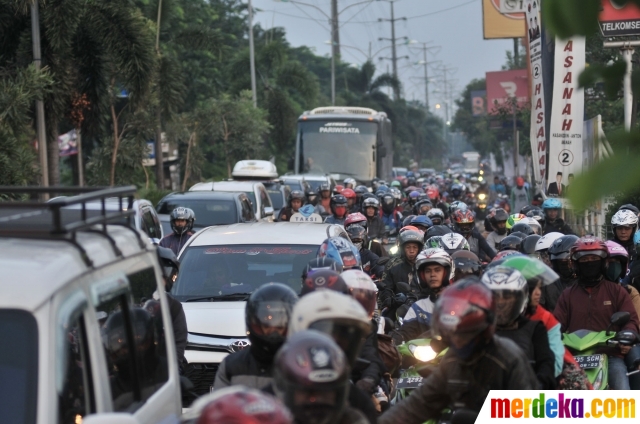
x=78, y=345
x=257, y=193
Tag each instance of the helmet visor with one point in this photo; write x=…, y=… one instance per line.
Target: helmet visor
x=348, y=334
x=270, y=317
x=533, y=270
x=367, y=298
x=466, y=228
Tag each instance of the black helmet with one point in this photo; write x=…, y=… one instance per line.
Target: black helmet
x=561, y=247
x=360, y=191
x=407, y=220
x=181, y=213
x=370, y=202
x=321, y=263
x=465, y=263
x=312, y=195
x=338, y=200
x=437, y=231
x=422, y=206
x=528, y=245
x=358, y=235
x=324, y=187
x=630, y=207
x=537, y=214
x=309, y=368
x=519, y=234
x=269, y=307
x=297, y=194
x=410, y=236
x=526, y=209
x=170, y=266
x=388, y=203
x=324, y=279
x=114, y=337
x=436, y=215
x=522, y=228
x=510, y=243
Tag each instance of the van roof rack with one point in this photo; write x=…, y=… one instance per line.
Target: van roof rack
x=55, y=220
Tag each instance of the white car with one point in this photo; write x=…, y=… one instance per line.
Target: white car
x=257, y=193
x=220, y=266
x=77, y=345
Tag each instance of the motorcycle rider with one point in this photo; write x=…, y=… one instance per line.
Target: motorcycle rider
x=391, y=219
x=314, y=400
x=373, y=245
x=519, y=195
x=590, y=303
x=411, y=242
x=375, y=226
x=464, y=223
x=338, y=210
x=349, y=183
x=634, y=268
x=477, y=360
x=434, y=268
x=511, y=295
x=351, y=200
x=465, y=264
x=625, y=224
x=294, y=203
x=552, y=221
x=499, y=223
x=436, y=216
x=324, y=190
x=359, y=238
x=360, y=192
x=561, y=263
x=181, y=220
x=267, y=319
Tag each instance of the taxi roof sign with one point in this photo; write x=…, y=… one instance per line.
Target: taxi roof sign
x=313, y=218
x=255, y=169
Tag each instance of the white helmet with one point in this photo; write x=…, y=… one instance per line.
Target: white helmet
x=362, y=288
x=454, y=241
x=503, y=281
x=547, y=240
x=534, y=224
x=436, y=256
x=335, y=314
x=625, y=218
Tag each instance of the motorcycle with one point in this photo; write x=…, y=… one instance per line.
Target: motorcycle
x=584, y=346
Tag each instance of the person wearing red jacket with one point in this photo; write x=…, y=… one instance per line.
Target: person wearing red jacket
x=590, y=304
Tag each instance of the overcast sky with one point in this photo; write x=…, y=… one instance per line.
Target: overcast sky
x=454, y=25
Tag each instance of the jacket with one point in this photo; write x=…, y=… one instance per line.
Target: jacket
x=552, y=292
x=285, y=214
x=176, y=242
x=554, y=335
x=531, y=337
x=479, y=246
x=403, y=272
x=579, y=309
x=376, y=228
x=331, y=219
x=519, y=198
x=370, y=263
x=494, y=239
x=416, y=322
x=179, y=323
x=369, y=352
x=501, y=365
x=628, y=245
x=557, y=226
x=633, y=276
x=243, y=368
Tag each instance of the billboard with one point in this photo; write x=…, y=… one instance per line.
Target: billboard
x=503, y=85
x=619, y=21
x=498, y=25
x=479, y=102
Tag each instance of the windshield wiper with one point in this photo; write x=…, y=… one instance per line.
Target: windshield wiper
x=230, y=296
x=340, y=172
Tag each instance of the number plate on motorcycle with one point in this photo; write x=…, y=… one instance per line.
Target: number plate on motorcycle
x=409, y=382
x=589, y=361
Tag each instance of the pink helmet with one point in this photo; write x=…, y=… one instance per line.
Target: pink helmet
x=355, y=218
x=617, y=251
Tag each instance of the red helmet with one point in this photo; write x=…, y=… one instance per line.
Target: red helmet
x=464, y=221
x=504, y=254
x=324, y=279
x=465, y=310
x=338, y=189
x=589, y=245
x=242, y=405
x=348, y=193
x=433, y=193
x=355, y=218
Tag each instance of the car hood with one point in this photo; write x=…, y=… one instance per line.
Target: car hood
x=216, y=318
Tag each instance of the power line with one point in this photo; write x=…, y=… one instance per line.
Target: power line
x=426, y=14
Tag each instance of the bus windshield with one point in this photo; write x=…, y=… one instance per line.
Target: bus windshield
x=338, y=147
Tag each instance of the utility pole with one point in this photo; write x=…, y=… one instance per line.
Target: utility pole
x=426, y=77
x=335, y=29
x=40, y=124
x=158, y=147
x=252, y=58
x=394, y=56
x=516, y=52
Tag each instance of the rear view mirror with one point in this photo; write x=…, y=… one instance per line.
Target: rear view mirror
x=620, y=318
x=268, y=211
x=111, y=418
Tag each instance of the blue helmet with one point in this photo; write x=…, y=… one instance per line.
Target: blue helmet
x=422, y=221
x=636, y=239
x=552, y=204
x=342, y=251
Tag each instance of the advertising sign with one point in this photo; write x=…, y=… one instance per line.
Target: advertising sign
x=619, y=21
x=538, y=119
x=68, y=143
x=479, y=103
x=512, y=6
x=503, y=85
x=567, y=115
x=498, y=25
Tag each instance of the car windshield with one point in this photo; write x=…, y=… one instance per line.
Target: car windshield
x=277, y=198
x=225, y=270
x=18, y=367
x=344, y=148
x=208, y=212
x=314, y=184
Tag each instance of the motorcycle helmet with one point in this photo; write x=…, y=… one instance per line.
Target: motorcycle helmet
x=465, y=263
x=338, y=205
x=526, y=209
x=388, y=203
x=358, y=236
x=397, y=194
x=528, y=245
x=267, y=317
x=413, y=197
x=537, y=214
x=355, y=218
x=546, y=241
x=630, y=207
x=522, y=227
x=422, y=207
x=430, y=257
x=551, y=204
x=360, y=191
x=518, y=234
x=311, y=377
x=240, y=404
x=339, y=316
x=437, y=231
x=456, y=191
x=321, y=263
x=499, y=216
x=436, y=216
x=296, y=194
x=591, y=272
x=349, y=194
x=421, y=222
x=362, y=289
x=324, y=187
x=312, y=196
x=504, y=254
x=433, y=194
x=338, y=189
x=559, y=252
x=323, y=279
x=396, y=184
x=510, y=292
x=534, y=271
x=618, y=263
x=510, y=242
x=342, y=251
x=464, y=221
x=458, y=204
x=533, y=223
x=407, y=221
x=624, y=218
x=464, y=317
x=452, y=242
x=370, y=202
x=513, y=220
x=349, y=183
x=184, y=214
x=636, y=240
x=410, y=236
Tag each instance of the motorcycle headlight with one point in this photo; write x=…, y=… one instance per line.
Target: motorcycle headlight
x=393, y=250
x=597, y=382
x=482, y=196
x=480, y=178
x=422, y=353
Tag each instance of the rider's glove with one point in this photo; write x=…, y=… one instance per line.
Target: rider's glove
x=400, y=298
x=367, y=385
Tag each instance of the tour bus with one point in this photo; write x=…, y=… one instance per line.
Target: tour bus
x=344, y=142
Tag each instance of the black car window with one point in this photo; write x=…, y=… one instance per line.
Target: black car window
x=152, y=228
x=277, y=198
x=247, y=211
x=266, y=201
x=208, y=212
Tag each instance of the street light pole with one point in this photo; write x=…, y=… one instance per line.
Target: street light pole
x=426, y=77
x=252, y=58
x=40, y=124
x=393, y=47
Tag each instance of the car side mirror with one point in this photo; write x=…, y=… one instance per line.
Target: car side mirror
x=268, y=211
x=110, y=418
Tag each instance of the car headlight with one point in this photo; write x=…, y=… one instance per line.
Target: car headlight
x=422, y=353
x=482, y=196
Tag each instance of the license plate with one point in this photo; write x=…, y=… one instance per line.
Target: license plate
x=409, y=382
x=589, y=361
